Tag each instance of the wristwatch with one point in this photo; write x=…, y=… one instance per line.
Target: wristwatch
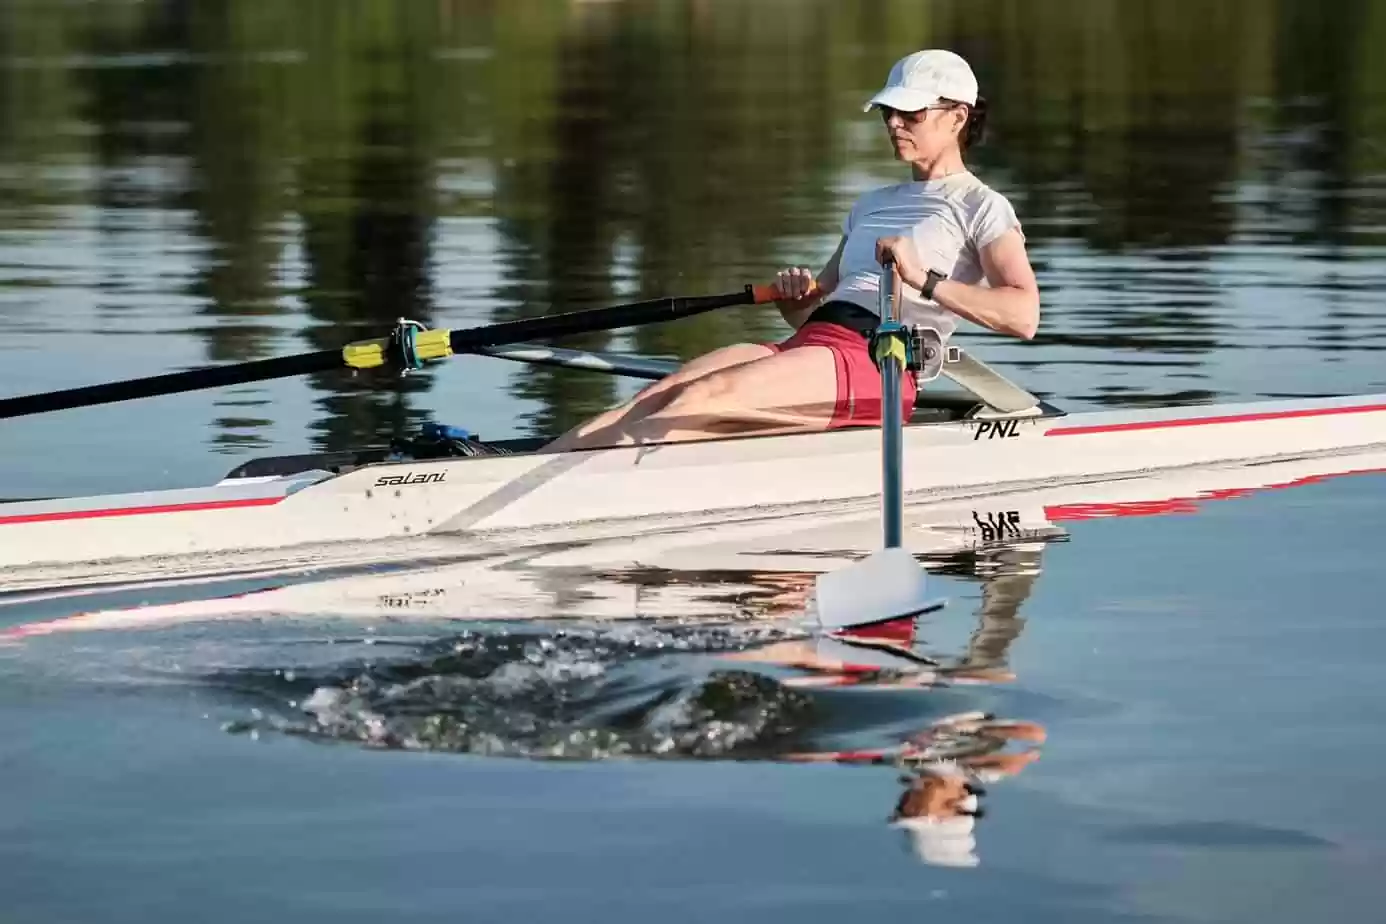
x=933, y=278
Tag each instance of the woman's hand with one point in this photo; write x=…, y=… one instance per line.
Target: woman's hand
x=901, y=251
x=795, y=283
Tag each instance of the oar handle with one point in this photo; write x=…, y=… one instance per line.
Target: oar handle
x=890, y=294
x=768, y=294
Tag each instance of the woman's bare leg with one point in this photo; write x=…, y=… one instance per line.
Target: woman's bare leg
x=655, y=395
x=792, y=391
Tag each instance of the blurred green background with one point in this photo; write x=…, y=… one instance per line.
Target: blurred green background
x=323, y=167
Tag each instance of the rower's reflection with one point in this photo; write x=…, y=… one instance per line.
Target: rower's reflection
x=941, y=803
x=948, y=764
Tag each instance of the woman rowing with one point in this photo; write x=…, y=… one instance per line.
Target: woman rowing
x=956, y=243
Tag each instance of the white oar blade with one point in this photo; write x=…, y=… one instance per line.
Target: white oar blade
x=888, y=584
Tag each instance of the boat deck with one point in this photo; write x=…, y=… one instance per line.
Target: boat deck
x=931, y=408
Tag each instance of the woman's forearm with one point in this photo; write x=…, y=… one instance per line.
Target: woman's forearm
x=1008, y=304
x=796, y=312
x=1004, y=309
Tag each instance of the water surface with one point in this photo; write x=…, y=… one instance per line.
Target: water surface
x=1181, y=710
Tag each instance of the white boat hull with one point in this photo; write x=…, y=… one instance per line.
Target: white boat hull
x=609, y=492
x=760, y=568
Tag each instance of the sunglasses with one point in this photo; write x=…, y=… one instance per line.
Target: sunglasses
x=912, y=117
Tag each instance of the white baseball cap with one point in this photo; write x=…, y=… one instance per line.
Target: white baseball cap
x=920, y=80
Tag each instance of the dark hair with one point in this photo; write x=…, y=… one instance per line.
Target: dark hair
x=976, y=128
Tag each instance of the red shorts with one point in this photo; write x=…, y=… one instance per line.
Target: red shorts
x=858, y=380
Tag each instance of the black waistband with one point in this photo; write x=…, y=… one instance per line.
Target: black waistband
x=848, y=315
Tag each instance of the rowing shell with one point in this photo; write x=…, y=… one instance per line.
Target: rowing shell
x=624, y=490
x=758, y=568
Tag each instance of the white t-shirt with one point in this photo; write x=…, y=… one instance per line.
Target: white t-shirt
x=950, y=220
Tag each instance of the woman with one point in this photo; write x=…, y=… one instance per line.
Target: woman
x=960, y=252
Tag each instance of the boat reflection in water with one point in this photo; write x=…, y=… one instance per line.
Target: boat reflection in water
x=662, y=644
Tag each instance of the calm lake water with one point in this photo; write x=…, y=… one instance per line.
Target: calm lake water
x=1182, y=708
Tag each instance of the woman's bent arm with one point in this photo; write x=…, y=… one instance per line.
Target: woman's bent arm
x=1010, y=305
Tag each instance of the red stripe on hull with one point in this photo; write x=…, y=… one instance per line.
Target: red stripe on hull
x=1059, y=513
x=138, y=511
x=1208, y=421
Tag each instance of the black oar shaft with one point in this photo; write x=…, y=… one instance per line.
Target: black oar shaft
x=589, y=321
x=171, y=383
x=465, y=340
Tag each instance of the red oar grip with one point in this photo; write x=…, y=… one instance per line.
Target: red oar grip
x=764, y=295
x=767, y=294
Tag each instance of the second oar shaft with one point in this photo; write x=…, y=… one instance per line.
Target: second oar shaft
x=892, y=416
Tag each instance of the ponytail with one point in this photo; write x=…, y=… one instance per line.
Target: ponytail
x=975, y=130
